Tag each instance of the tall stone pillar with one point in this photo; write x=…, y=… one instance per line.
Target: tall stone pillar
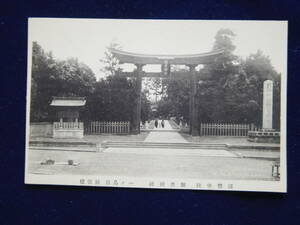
x=137, y=110
x=194, y=123
x=267, y=123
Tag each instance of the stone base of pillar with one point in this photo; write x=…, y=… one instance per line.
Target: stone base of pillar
x=263, y=136
x=135, y=132
x=195, y=132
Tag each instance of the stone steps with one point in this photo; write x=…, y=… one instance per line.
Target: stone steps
x=77, y=144
x=110, y=144
x=92, y=147
x=89, y=146
x=74, y=146
x=64, y=148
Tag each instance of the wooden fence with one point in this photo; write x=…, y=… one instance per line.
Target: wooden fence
x=214, y=129
x=68, y=125
x=101, y=127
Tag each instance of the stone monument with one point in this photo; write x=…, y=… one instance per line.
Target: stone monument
x=267, y=133
x=268, y=106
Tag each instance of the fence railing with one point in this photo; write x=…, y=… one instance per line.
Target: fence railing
x=214, y=129
x=67, y=125
x=104, y=127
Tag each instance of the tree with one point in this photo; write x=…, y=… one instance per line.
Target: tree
x=258, y=66
x=112, y=100
x=75, y=78
x=111, y=63
x=43, y=66
x=226, y=63
x=52, y=77
x=215, y=93
x=177, y=96
x=145, y=107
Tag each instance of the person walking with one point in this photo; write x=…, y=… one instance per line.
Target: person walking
x=156, y=123
x=162, y=123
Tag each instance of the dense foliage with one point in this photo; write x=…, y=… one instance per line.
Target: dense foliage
x=109, y=99
x=52, y=77
x=229, y=90
x=114, y=100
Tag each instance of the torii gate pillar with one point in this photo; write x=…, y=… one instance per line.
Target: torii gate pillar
x=135, y=128
x=194, y=123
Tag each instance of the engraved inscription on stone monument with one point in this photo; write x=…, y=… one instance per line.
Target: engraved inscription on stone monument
x=268, y=105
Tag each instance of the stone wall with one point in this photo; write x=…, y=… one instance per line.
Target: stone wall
x=42, y=129
x=68, y=133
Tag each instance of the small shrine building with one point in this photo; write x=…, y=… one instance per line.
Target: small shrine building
x=67, y=111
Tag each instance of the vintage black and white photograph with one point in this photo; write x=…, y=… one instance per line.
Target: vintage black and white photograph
x=172, y=104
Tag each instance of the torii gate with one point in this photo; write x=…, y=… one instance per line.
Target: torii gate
x=191, y=60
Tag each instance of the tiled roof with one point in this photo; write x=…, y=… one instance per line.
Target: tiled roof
x=68, y=101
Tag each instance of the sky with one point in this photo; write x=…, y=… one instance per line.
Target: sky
x=87, y=39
